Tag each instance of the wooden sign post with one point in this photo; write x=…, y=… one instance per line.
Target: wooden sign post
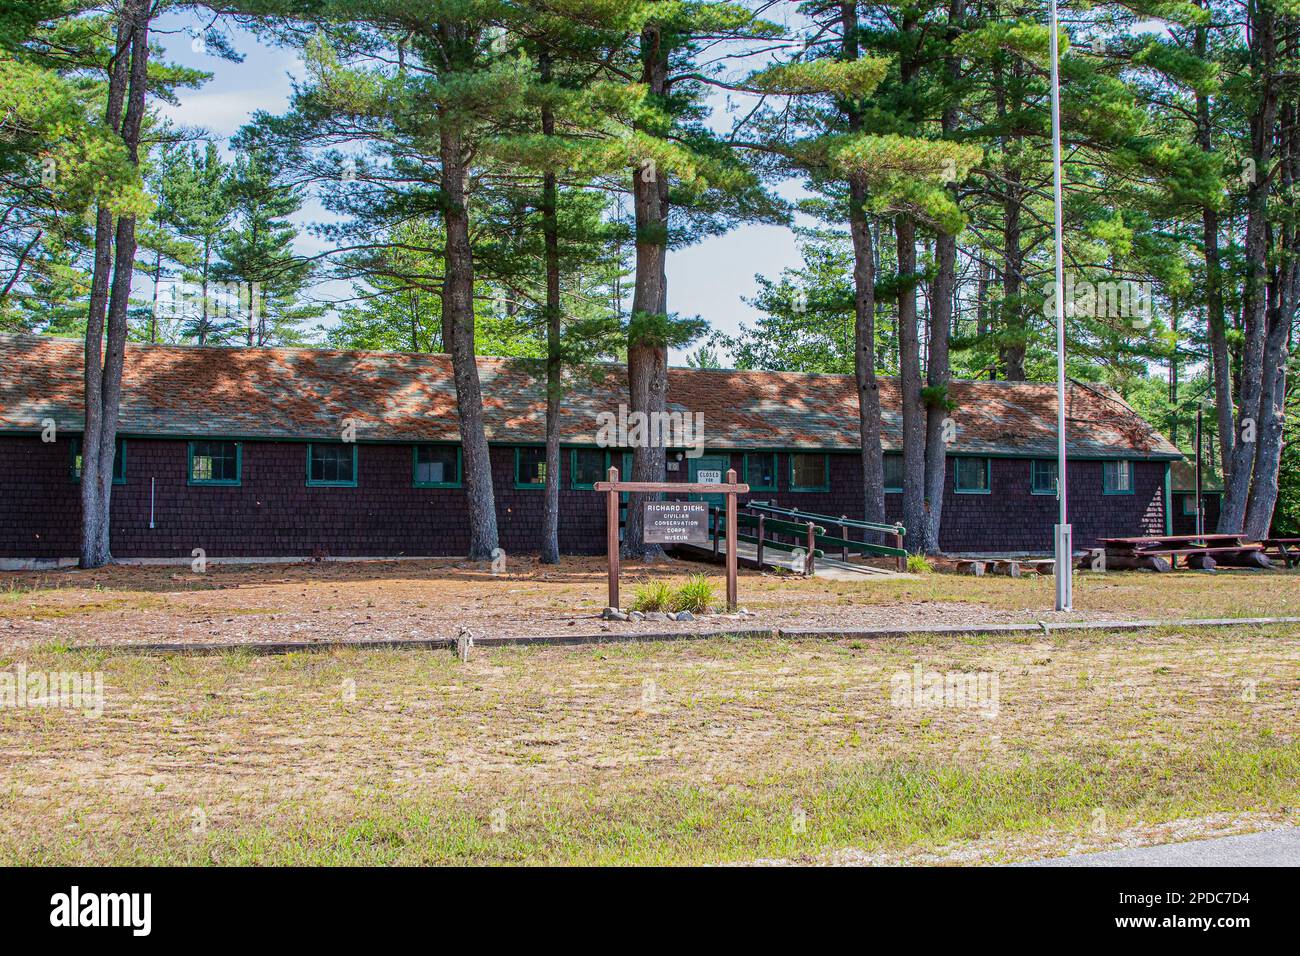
x=613, y=488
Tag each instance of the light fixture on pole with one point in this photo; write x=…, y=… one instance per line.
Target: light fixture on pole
x=1064, y=562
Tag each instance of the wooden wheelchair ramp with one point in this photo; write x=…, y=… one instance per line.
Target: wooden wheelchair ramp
x=803, y=543
x=747, y=556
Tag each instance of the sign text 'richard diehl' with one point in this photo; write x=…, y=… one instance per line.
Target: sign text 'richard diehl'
x=103, y=909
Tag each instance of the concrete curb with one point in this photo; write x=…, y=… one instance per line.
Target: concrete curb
x=433, y=643
x=1042, y=627
x=606, y=637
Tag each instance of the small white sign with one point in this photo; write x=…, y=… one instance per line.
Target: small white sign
x=709, y=477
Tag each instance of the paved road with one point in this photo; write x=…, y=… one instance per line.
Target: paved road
x=1269, y=848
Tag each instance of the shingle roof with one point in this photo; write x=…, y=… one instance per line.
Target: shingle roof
x=252, y=393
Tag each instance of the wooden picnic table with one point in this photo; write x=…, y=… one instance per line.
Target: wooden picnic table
x=1200, y=551
x=1173, y=538
x=1287, y=550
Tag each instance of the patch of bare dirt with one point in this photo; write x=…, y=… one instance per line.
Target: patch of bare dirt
x=390, y=600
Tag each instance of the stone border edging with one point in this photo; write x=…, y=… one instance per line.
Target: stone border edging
x=607, y=637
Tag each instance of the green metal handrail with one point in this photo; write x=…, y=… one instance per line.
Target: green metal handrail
x=829, y=519
x=844, y=544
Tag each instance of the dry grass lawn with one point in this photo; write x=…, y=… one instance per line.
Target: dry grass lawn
x=683, y=752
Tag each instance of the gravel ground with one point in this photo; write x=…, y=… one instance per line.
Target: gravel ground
x=420, y=600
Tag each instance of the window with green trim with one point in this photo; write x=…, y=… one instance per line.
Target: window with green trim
x=586, y=467
x=530, y=467
x=809, y=473
x=1042, y=476
x=1189, y=506
x=893, y=472
x=436, y=466
x=971, y=476
x=760, y=471
x=1117, y=477
x=332, y=465
x=215, y=463
x=119, y=461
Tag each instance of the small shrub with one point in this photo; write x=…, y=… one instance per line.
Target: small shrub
x=652, y=596
x=917, y=564
x=696, y=595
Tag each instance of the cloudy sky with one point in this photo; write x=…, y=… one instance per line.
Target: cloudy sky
x=708, y=279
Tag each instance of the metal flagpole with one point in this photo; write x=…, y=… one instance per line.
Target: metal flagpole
x=1064, y=548
x=1200, y=511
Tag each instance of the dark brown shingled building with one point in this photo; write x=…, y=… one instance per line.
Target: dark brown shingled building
x=240, y=452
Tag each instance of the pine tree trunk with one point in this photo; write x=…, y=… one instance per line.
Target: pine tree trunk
x=938, y=375
x=938, y=369
x=109, y=296
x=20, y=265
x=203, y=313
x=864, y=356
x=864, y=309
x=1220, y=363
x=1014, y=334
x=909, y=381
x=647, y=354
x=1255, y=300
x=1286, y=295
x=157, y=279
x=458, y=339
x=1268, y=447
x=554, y=371
x=1013, y=313
x=94, y=552
x=1220, y=360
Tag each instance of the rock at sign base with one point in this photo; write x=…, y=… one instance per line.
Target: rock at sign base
x=613, y=614
x=683, y=616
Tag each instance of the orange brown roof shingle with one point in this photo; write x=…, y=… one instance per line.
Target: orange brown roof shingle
x=299, y=394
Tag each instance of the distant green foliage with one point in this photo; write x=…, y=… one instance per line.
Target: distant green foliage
x=1286, y=519
x=831, y=77
x=257, y=248
x=704, y=357
x=58, y=158
x=807, y=321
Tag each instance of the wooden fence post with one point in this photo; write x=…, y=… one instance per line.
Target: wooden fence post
x=898, y=543
x=810, y=562
x=611, y=539
x=761, y=520
x=844, y=533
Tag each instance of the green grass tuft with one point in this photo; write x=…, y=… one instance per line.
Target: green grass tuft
x=917, y=564
x=654, y=596
x=696, y=595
